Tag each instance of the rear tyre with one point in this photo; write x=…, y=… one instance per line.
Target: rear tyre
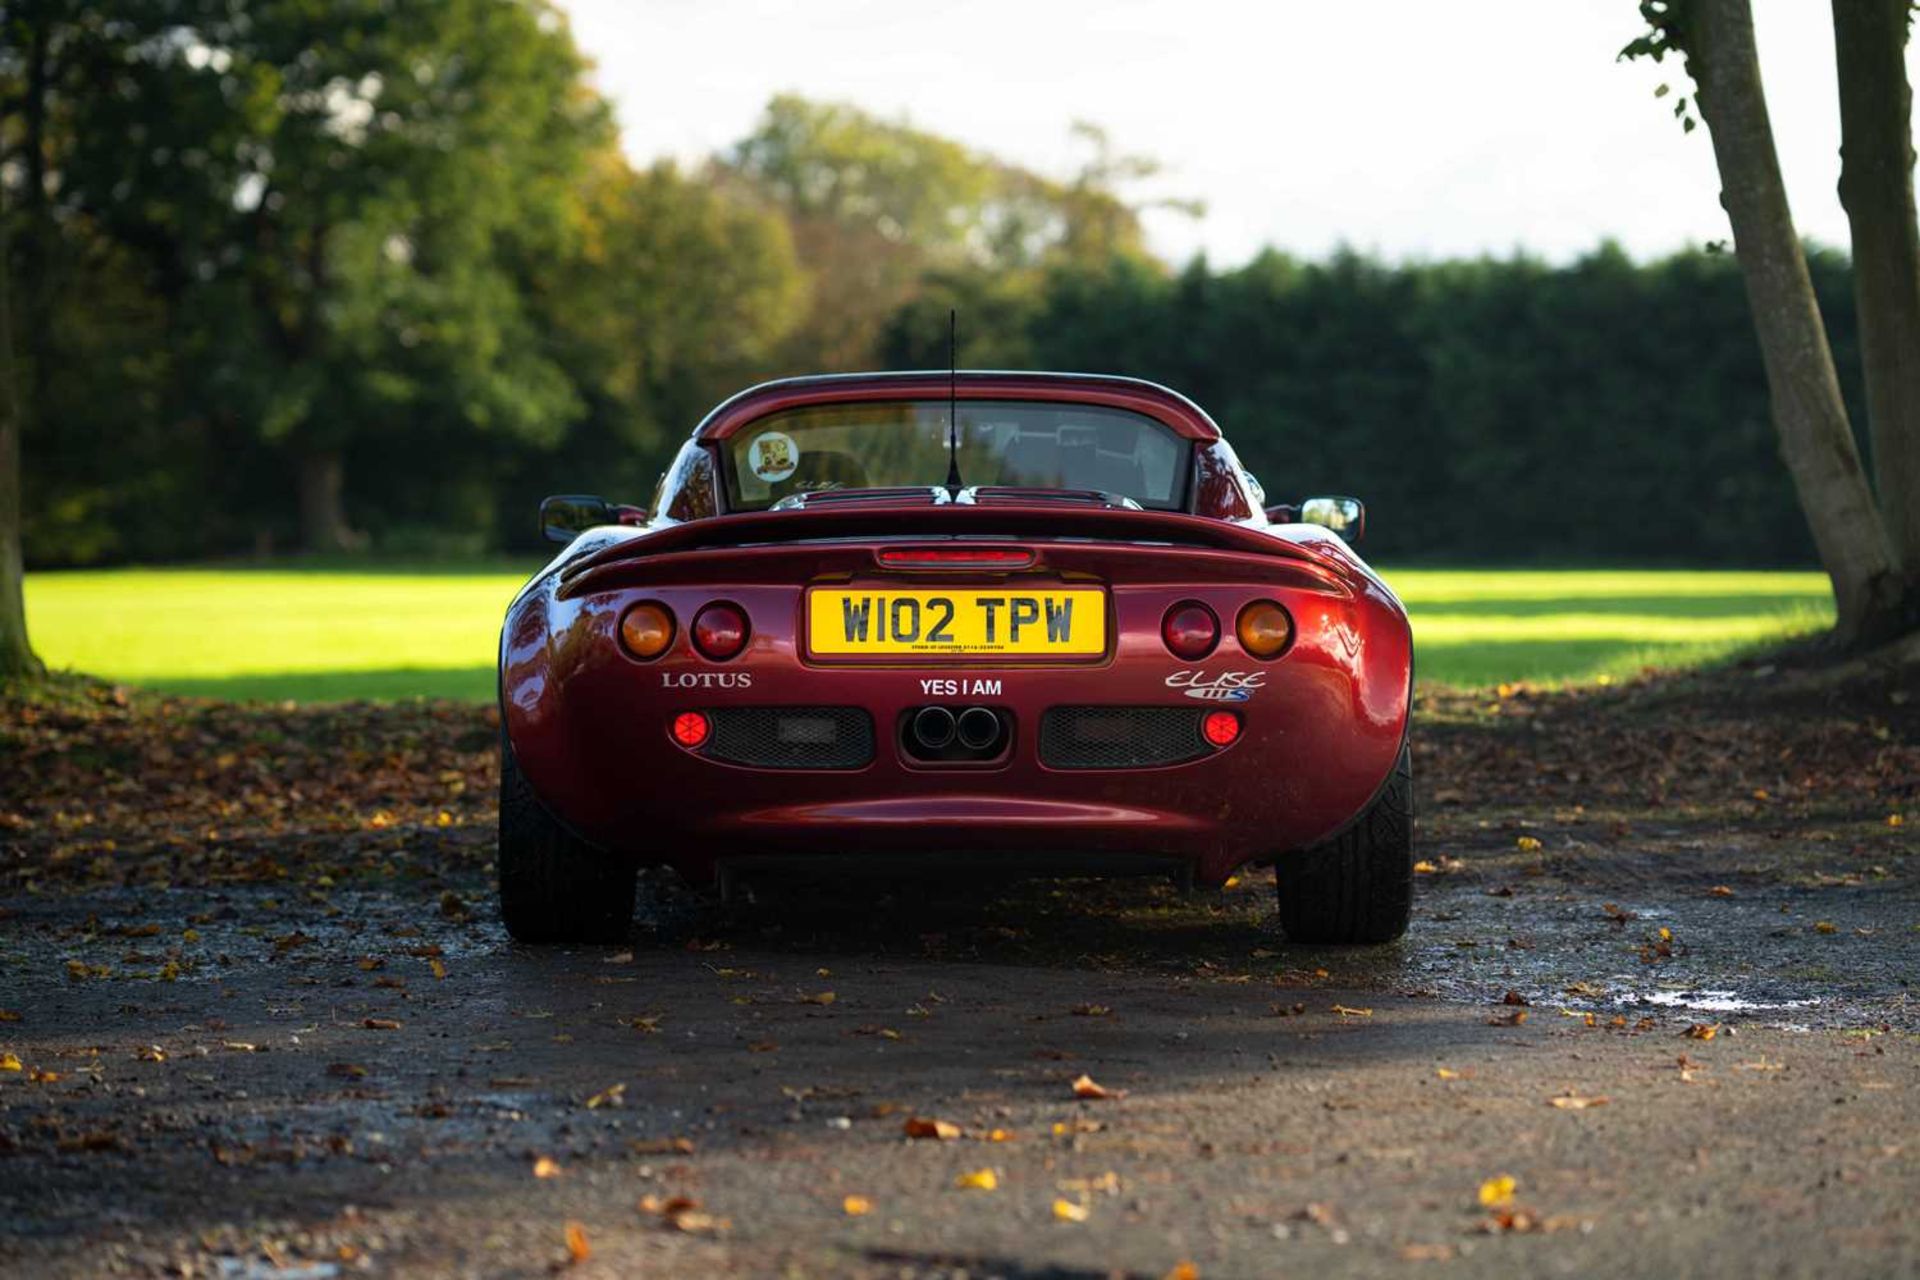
x=554, y=886
x=1358, y=886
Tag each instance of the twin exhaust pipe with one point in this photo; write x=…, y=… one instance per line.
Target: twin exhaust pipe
x=935, y=729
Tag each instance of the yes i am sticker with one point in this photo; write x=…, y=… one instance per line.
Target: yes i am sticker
x=960, y=688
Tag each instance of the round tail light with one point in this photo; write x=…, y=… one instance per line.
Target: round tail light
x=720, y=631
x=1190, y=630
x=1220, y=728
x=690, y=729
x=646, y=630
x=1264, y=628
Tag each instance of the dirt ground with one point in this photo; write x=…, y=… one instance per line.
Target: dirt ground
x=1656, y=1016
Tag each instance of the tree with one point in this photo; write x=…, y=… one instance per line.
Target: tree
x=338, y=204
x=1877, y=598
x=16, y=651
x=878, y=206
x=1876, y=187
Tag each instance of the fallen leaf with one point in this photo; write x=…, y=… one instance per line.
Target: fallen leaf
x=682, y=1213
x=978, y=1180
x=1702, y=1031
x=10, y=1062
x=546, y=1167
x=1720, y=891
x=1825, y=926
x=763, y=1046
x=1085, y=1087
x=1423, y=868
x=439, y=969
x=43, y=1077
x=152, y=1053
x=661, y=1146
x=856, y=1206
x=1068, y=1211
x=1091, y=1010
x=1346, y=1012
x=1573, y=1102
x=824, y=997
x=921, y=1127
x=1527, y=844
x=8, y=1015
x=611, y=1096
x=1182, y=1271
x=1446, y=1073
x=578, y=1250
x=999, y=1135
x=380, y=1024
x=1426, y=1252
x=1079, y=1124
x=1497, y=1192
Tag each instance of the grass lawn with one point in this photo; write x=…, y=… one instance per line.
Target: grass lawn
x=328, y=634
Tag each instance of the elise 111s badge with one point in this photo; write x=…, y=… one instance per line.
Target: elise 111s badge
x=1225, y=686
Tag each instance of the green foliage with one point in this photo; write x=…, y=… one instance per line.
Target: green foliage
x=393, y=234
x=401, y=235
x=883, y=213
x=1491, y=410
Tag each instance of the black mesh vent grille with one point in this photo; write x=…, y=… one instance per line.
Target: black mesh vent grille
x=1120, y=737
x=791, y=737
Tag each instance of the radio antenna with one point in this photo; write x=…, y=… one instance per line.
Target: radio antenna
x=954, y=484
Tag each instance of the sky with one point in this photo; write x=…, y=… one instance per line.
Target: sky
x=1409, y=128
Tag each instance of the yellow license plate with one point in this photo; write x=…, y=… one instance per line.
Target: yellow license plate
x=1065, y=623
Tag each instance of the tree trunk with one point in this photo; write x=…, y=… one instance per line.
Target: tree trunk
x=1876, y=186
x=16, y=654
x=1816, y=441
x=323, y=518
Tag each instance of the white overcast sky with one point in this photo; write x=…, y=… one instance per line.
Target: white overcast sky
x=1414, y=128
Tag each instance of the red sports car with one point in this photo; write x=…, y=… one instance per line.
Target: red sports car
x=1038, y=623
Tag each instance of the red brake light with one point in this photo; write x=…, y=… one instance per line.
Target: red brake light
x=690, y=729
x=956, y=557
x=1190, y=630
x=720, y=631
x=1220, y=728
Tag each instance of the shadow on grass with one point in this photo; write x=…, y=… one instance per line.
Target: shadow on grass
x=461, y=684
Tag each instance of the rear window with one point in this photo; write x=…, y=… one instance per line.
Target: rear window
x=1018, y=443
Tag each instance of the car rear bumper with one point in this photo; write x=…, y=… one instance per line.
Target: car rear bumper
x=1320, y=729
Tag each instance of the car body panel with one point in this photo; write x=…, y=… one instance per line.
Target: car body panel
x=1323, y=723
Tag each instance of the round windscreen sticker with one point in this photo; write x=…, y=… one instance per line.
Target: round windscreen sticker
x=773, y=456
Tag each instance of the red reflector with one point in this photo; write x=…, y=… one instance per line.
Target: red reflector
x=1220, y=727
x=1190, y=630
x=720, y=631
x=690, y=728
x=955, y=557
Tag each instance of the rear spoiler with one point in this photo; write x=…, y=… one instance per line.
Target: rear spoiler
x=1001, y=520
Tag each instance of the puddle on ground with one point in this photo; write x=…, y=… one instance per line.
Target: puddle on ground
x=1832, y=957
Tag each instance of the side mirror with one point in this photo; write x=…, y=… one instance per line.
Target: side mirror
x=1345, y=516
x=564, y=515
